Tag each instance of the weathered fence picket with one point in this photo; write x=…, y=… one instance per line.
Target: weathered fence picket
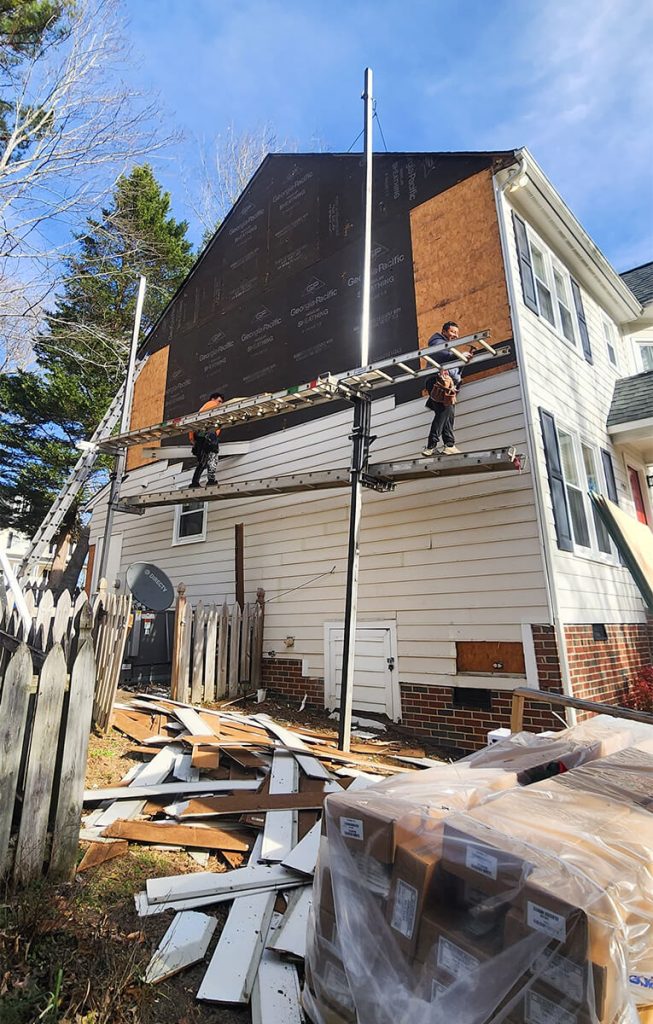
x=215, y=651
x=14, y=703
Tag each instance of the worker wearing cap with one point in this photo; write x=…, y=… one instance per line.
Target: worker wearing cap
x=443, y=388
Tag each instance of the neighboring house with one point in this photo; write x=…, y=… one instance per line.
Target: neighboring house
x=640, y=282
x=471, y=585
x=15, y=546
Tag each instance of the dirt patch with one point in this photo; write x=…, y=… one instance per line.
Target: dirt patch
x=109, y=759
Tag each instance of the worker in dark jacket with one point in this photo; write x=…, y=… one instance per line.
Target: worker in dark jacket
x=443, y=388
x=206, y=445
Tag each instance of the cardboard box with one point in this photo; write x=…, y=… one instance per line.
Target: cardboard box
x=626, y=776
x=483, y=858
x=414, y=883
x=326, y=927
x=540, y=1005
x=332, y=987
x=446, y=943
x=375, y=824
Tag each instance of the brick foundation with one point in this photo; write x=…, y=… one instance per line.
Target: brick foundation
x=601, y=669
x=284, y=676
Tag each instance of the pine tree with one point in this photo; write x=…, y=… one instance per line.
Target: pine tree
x=81, y=355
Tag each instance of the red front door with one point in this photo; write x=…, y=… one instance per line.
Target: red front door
x=638, y=497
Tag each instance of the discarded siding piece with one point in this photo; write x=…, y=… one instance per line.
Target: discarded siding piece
x=95, y=796
x=280, y=831
x=185, y=942
x=153, y=773
x=232, y=970
x=184, y=770
x=210, y=883
x=276, y=995
x=99, y=852
x=252, y=804
x=309, y=764
x=303, y=857
x=290, y=937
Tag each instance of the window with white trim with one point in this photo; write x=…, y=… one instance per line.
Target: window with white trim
x=610, y=335
x=646, y=354
x=582, y=472
x=190, y=523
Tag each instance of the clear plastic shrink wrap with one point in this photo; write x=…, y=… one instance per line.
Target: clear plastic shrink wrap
x=455, y=896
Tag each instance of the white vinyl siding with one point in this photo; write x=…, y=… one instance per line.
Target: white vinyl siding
x=448, y=559
x=578, y=394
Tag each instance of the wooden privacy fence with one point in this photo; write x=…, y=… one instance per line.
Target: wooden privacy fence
x=45, y=723
x=58, y=623
x=216, y=652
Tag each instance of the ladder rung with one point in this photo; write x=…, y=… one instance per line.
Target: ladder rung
x=408, y=369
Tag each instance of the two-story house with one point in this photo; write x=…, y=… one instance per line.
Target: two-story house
x=469, y=585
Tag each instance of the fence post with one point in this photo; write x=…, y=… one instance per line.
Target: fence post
x=517, y=713
x=197, y=680
x=177, y=641
x=13, y=718
x=257, y=639
x=234, y=650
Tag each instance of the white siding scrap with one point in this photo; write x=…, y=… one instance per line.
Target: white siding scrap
x=185, y=942
x=230, y=975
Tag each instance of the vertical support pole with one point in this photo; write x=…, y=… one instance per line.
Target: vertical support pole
x=120, y=460
x=367, y=243
x=360, y=438
x=239, y=568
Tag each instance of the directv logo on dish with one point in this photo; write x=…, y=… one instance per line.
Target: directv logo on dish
x=155, y=579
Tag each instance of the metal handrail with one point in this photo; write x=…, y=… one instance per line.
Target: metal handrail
x=524, y=693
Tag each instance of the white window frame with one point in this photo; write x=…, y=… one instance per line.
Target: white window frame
x=551, y=262
x=610, y=339
x=641, y=345
x=179, y=512
x=592, y=552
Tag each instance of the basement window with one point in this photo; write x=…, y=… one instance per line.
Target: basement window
x=599, y=632
x=471, y=699
x=190, y=523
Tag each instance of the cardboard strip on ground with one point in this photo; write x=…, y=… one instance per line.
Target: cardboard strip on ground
x=99, y=852
x=179, y=835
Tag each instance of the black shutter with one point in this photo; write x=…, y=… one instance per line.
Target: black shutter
x=556, y=482
x=611, y=487
x=525, y=265
x=610, y=482
x=582, y=322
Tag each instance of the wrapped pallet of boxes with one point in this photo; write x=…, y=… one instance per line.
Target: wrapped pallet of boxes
x=479, y=905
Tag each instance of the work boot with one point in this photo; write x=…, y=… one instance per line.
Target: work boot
x=451, y=449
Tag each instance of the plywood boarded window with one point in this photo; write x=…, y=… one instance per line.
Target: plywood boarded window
x=490, y=657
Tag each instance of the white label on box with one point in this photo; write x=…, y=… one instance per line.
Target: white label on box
x=540, y=1010
x=351, y=828
x=541, y=919
x=336, y=984
x=455, y=960
x=481, y=862
x=562, y=973
x=404, y=909
x=376, y=877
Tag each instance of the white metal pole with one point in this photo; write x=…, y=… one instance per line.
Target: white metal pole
x=367, y=244
x=119, y=464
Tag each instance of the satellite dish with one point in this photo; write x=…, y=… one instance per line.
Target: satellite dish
x=150, y=586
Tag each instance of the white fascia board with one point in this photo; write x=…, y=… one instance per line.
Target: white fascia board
x=543, y=206
x=643, y=425
x=185, y=942
x=230, y=975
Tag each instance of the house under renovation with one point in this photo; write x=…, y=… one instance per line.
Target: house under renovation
x=472, y=581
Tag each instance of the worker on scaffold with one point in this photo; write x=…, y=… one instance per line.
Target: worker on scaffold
x=443, y=388
x=206, y=445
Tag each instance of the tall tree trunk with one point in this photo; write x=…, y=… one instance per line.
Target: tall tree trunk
x=70, y=576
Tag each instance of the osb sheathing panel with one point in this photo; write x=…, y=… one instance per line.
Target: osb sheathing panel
x=149, y=397
x=458, y=264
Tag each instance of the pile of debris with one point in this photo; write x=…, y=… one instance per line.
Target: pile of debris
x=249, y=792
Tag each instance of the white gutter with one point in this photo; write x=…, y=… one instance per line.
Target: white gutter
x=545, y=540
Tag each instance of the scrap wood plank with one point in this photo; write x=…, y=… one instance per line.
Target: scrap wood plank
x=247, y=758
x=185, y=943
x=94, y=796
x=230, y=975
x=205, y=757
x=276, y=995
x=151, y=773
x=209, y=883
x=130, y=726
x=99, y=852
x=290, y=937
x=197, y=836
x=253, y=804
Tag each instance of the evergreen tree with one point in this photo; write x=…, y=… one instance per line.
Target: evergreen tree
x=82, y=353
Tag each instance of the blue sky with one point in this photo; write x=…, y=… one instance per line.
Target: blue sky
x=572, y=81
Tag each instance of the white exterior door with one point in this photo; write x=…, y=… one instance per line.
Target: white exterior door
x=376, y=686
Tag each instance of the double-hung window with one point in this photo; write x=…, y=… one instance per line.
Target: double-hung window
x=190, y=523
x=582, y=472
x=610, y=335
x=646, y=355
x=549, y=290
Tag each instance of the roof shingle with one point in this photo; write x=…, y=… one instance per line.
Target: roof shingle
x=632, y=399
x=640, y=282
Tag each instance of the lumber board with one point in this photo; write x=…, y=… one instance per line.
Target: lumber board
x=201, y=838
x=94, y=796
x=99, y=852
x=248, y=803
x=205, y=757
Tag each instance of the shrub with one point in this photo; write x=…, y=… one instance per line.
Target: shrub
x=639, y=693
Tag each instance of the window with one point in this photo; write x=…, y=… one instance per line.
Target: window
x=190, y=523
x=549, y=290
x=593, y=484
x=610, y=335
x=646, y=355
x=574, y=488
x=582, y=471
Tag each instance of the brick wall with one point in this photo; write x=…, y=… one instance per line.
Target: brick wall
x=284, y=676
x=600, y=669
